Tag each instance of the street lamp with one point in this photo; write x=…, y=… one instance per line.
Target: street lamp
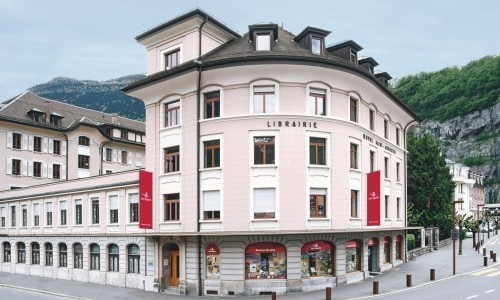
x=479, y=227
x=453, y=233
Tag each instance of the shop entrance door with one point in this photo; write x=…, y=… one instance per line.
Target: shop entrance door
x=174, y=268
x=372, y=259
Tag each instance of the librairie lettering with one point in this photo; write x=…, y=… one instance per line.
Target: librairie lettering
x=378, y=143
x=302, y=124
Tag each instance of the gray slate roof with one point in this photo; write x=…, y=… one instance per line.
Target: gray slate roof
x=16, y=109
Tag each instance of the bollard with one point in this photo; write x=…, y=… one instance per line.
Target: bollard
x=491, y=254
x=408, y=280
x=433, y=274
x=375, y=287
x=482, y=242
x=328, y=293
x=484, y=251
x=494, y=257
x=485, y=261
x=273, y=296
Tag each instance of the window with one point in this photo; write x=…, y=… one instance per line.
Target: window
x=386, y=129
x=78, y=212
x=172, y=207
x=124, y=134
x=172, y=159
x=95, y=257
x=36, y=214
x=263, y=41
x=316, y=45
x=48, y=211
x=108, y=155
x=172, y=113
x=386, y=167
x=37, y=144
x=24, y=215
x=317, y=259
x=49, y=255
x=212, y=153
x=264, y=203
x=316, y=104
x=353, y=57
x=78, y=256
x=387, y=249
x=13, y=216
x=211, y=205
x=113, y=209
x=172, y=59
x=398, y=208
x=399, y=248
x=265, y=261
x=35, y=253
x=36, y=116
x=2, y=216
x=83, y=161
x=353, y=110
x=16, y=167
x=133, y=200
x=372, y=120
x=264, y=101
x=398, y=142
x=354, y=156
x=317, y=151
x=124, y=157
x=263, y=150
x=55, y=120
x=56, y=171
x=95, y=210
x=398, y=176
x=353, y=256
x=63, y=255
x=56, y=147
x=354, y=204
x=114, y=255
x=6, y=252
x=212, y=105
x=83, y=141
x=62, y=212
x=212, y=262
x=17, y=140
x=21, y=253
x=317, y=203
x=372, y=161
x=133, y=258
x=37, y=169
x=386, y=215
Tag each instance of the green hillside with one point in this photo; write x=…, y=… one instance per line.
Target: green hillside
x=452, y=92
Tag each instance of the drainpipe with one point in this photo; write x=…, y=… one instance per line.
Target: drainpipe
x=198, y=163
x=412, y=122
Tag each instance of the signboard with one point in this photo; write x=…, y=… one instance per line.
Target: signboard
x=352, y=244
x=266, y=248
x=212, y=250
x=373, y=199
x=316, y=246
x=145, y=200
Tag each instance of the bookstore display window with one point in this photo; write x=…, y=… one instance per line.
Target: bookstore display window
x=399, y=247
x=353, y=256
x=212, y=254
x=316, y=259
x=265, y=261
x=387, y=249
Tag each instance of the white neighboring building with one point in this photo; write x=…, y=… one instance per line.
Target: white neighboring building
x=468, y=187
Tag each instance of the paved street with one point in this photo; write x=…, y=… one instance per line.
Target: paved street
x=472, y=281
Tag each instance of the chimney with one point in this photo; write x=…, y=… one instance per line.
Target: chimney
x=114, y=118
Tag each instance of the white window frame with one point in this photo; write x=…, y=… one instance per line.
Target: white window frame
x=162, y=66
x=263, y=82
x=321, y=135
x=108, y=209
x=208, y=90
x=356, y=98
x=388, y=170
x=375, y=160
x=207, y=138
x=327, y=203
x=77, y=201
x=372, y=108
x=163, y=102
x=263, y=33
x=262, y=133
x=358, y=154
x=386, y=118
x=328, y=97
x=131, y=192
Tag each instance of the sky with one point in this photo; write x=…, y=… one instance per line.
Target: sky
x=94, y=39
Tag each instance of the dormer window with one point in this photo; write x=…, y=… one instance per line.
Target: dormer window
x=263, y=41
x=172, y=59
x=262, y=35
x=316, y=45
x=55, y=119
x=353, y=57
x=36, y=115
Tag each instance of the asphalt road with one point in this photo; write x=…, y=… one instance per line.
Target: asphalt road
x=17, y=294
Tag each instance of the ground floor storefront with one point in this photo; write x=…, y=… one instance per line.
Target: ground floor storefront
x=213, y=265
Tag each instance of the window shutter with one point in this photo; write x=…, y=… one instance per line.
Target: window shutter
x=114, y=155
x=211, y=200
x=51, y=146
x=138, y=160
x=62, y=205
x=36, y=209
x=44, y=145
x=9, y=139
x=119, y=156
x=130, y=158
x=104, y=150
x=49, y=207
x=63, y=172
x=49, y=172
x=63, y=150
x=25, y=142
x=315, y=191
x=31, y=143
x=264, y=200
x=25, y=168
x=113, y=202
x=9, y=166
x=133, y=198
x=44, y=169
x=30, y=168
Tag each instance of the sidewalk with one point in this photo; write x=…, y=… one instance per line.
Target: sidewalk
x=390, y=281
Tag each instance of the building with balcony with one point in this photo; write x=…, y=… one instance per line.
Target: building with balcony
x=468, y=188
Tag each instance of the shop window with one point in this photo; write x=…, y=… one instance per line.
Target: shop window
x=212, y=254
x=265, y=261
x=78, y=256
x=353, y=256
x=317, y=151
x=317, y=259
x=63, y=255
x=399, y=247
x=133, y=258
x=95, y=257
x=49, y=255
x=387, y=249
x=6, y=252
x=113, y=259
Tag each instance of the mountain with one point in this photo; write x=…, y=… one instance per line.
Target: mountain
x=461, y=107
x=105, y=96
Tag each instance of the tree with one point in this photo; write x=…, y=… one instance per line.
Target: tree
x=463, y=221
x=430, y=185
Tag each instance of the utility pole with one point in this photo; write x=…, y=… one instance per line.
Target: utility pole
x=454, y=233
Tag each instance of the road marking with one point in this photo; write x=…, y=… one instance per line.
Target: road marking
x=493, y=274
x=487, y=292
x=474, y=296
x=483, y=272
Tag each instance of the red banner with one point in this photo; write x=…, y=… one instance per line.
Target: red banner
x=352, y=244
x=212, y=249
x=145, y=199
x=373, y=199
x=265, y=248
x=316, y=246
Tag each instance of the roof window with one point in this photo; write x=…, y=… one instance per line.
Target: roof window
x=313, y=39
x=263, y=35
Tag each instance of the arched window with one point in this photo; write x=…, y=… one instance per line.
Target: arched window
x=212, y=255
x=78, y=256
x=265, y=261
x=317, y=259
x=63, y=255
x=113, y=257
x=49, y=258
x=387, y=249
x=6, y=252
x=95, y=257
x=399, y=247
x=353, y=256
x=133, y=258
x=21, y=253
x=35, y=253
x=83, y=141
